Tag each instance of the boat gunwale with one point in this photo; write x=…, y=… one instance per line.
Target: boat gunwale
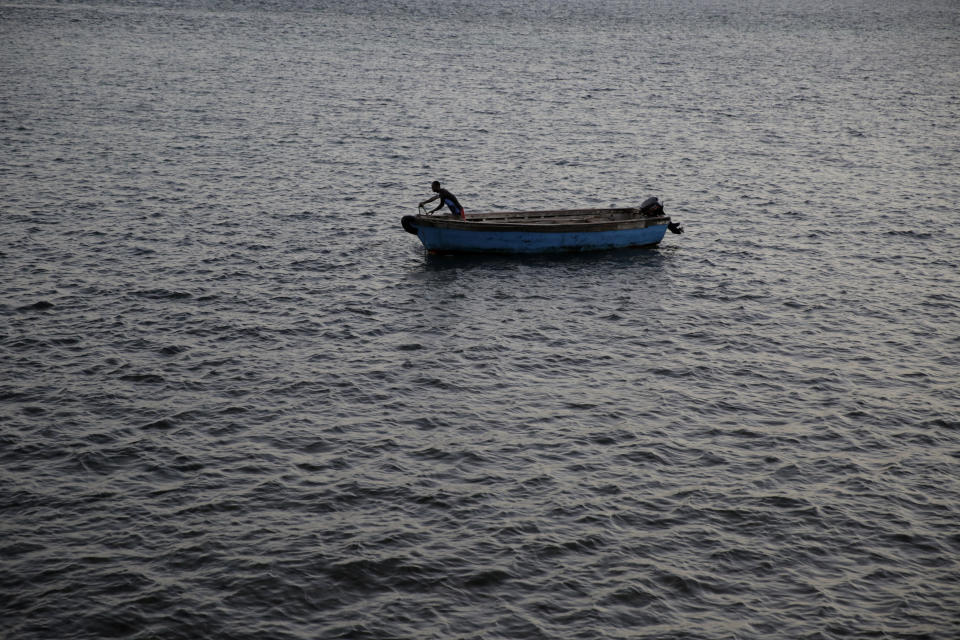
x=553, y=221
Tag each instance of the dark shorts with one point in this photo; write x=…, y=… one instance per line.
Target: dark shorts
x=455, y=210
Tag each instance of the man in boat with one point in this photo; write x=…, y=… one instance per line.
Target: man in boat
x=446, y=198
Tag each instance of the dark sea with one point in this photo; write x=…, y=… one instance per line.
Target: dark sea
x=238, y=401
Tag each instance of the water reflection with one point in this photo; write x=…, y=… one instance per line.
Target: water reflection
x=630, y=257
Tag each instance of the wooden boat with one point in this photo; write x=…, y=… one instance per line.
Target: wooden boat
x=565, y=230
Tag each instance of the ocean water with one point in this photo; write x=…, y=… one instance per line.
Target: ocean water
x=238, y=401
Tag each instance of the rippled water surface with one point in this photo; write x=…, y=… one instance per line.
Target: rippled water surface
x=238, y=401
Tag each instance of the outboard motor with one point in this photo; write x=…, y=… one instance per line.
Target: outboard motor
x=651, y=207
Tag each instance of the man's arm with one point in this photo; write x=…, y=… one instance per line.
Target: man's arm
x=431, y=200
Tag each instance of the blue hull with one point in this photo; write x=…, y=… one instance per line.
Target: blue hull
x=446, y=240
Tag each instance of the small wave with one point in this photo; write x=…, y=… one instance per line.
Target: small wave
x=161, y=294
x=40, y=305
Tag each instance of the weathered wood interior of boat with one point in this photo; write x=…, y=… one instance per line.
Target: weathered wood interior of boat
x=559, y=216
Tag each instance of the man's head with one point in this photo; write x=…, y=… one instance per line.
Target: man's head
x=435, y=186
